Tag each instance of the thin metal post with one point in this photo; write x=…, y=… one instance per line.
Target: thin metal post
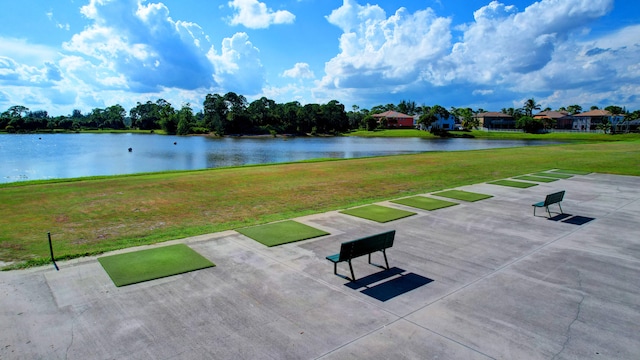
x=51, y=251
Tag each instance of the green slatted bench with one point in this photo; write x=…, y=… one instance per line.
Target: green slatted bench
x=364, y=246
x=551, y=199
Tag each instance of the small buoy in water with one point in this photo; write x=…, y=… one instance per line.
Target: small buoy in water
x=130, y=149
x=175, y=143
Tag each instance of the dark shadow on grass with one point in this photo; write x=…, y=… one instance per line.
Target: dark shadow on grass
x=388, y=284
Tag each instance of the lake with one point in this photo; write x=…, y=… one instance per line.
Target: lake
x=49, y=156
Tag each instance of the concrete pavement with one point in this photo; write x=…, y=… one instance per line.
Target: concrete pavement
x=483, y=280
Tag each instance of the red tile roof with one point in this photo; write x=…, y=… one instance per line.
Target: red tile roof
x=494, y=115
x=594, y=113
x=392, y=115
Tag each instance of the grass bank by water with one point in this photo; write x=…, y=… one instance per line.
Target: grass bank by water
x=504, y=135
x=96, y=215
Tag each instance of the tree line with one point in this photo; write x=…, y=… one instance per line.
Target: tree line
x=231, y=114
x=524, y=116
x=226, y=114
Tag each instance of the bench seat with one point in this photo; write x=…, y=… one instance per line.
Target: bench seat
x=364, y=246
x=555, y=198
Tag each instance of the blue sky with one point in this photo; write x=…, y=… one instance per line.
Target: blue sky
x=83, y=54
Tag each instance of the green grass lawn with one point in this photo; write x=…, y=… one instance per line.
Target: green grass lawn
x=90, y=216
x=555, y=175
x=282, y=232
x=462, y=195
x=513, y=183
x=378, y=213
x=425, y=203
x=535, y=178
x=144, y=265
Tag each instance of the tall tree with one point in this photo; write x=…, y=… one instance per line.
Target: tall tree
x=530, y=105
x=185, y=120
x=574, y=109
x=215, y=113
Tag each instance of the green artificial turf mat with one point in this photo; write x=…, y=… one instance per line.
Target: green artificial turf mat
x=512, y=183
x=553, y=175
x=462, y=195
x=425, y=203
x=378, y=213
x=535, y=178
x=138, y=266
x=281, y=232
x=571, y=172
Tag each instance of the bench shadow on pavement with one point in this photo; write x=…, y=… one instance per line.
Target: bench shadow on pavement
x=388, y=284
x=571, y=219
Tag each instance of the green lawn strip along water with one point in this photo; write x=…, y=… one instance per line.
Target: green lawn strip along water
x=378, y=213
x=138, y=266
x=93, y=216
x=535, y=178
x=572, y=172
x=425, y=203
x=462, y=195
x=554, y=175
x=512, y=183
x=281, y=232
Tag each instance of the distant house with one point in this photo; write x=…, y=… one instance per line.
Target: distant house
x=495, y=120
x=395, y=120
x=444, y=123
x=589, y=120
x=448, y=123
x=562, y=118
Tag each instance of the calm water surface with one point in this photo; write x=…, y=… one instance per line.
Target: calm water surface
x=48, y=156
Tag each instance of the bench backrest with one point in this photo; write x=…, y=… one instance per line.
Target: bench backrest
x=554, y=198
x=366, y=245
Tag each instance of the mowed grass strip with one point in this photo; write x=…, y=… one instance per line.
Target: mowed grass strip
x=572, y=172
x=281, y=232
x=425, y=203
x=381, y=214
x=535, y=178
x=462, y=195
x=554, y=175
x=90, y=216
x=144, y=265
x=513, y=183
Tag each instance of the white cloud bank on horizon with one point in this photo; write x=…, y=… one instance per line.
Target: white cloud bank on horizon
x=524, y=52
x=134, y=51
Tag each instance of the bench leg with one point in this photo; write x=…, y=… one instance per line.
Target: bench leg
x=385, y=258
x=335, y=268
x=548, y=212
x=384, y=253
x=353, y=277
x=560, y=206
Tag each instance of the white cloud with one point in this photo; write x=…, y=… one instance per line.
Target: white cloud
x=141, y=42
x=131, y=50
x=503, y=43
x=299, y=71
x=238, y=67
x=503, y=53
x=255, y=15
x=377, y=51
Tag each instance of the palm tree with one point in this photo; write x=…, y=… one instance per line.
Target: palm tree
x=531, y=105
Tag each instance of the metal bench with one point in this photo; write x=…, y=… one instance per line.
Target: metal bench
x=551, y=199
x=363, y=246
